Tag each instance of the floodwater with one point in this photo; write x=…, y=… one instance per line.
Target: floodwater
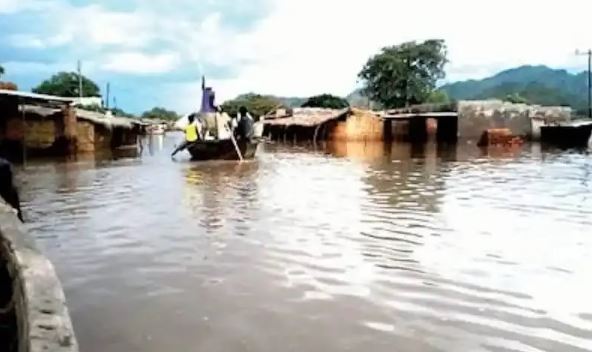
x=350, y=247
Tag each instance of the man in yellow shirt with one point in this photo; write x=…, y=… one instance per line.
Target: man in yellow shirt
x=191, y=135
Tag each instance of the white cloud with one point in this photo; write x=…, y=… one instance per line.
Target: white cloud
x=35, y=42
x=140, y=63
x=91, y=25
x=305, y=47
x=16, y=68
x=14, y=6
x=313, y=46
x=103, y=27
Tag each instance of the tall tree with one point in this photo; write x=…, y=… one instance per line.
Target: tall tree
x=437, y=97
x=2, y=71
x=326, y=101
x=65, y=84
x=257, y=104
x=404, y=74
x=160, y=113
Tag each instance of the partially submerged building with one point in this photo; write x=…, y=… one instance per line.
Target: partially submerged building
x=468, y=119
x=324, y=124
x=35, y=124
x=446, y=123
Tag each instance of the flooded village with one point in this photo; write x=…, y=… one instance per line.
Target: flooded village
x=395, y=221
x=415, y=214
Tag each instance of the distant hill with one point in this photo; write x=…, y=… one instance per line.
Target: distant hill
x=533, y=84
x=357, y=99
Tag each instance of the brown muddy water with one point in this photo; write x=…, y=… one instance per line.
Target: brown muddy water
x=351, y=248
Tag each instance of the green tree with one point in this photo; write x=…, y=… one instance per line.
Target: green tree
x=160, y=113
x=326, y=101
x=94, y=107
x=257, y=104
x=121, y=113
x=438, y=97
x=2, y=71
x=404, y=74
x=65, y=84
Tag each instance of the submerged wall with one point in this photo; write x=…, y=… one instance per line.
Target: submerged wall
x=36, y=299
x=477, y=116
x=361, y=125
x=59, y=132
x=86, y=136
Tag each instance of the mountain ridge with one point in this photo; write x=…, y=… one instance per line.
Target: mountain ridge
x=535, y=84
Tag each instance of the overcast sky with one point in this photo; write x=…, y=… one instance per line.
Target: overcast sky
x=154, y=51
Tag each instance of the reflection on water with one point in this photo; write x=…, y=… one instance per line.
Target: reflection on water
x=352, y=247
x=154, y=144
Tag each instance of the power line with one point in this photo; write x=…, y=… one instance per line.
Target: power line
x=80, y=80
x=108, y=91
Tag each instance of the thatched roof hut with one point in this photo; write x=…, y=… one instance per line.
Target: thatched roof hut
x=107, y=121
x=309, y=117
x=97, y=118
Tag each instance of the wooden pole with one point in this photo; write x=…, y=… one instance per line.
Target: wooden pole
x=316, y=134
x=24, y=122
x=238, y=152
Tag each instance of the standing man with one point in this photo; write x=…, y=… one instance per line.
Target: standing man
x=190, y=135
x=245, y=123
x=7, y=189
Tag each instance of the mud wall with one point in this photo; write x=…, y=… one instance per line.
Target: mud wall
x=361, y=125
x=478, y=116
x=85, y=136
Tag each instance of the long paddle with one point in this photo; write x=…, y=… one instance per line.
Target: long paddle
x=238, y=152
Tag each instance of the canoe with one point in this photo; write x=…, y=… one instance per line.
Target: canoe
x=569, y=135
x=222, y=150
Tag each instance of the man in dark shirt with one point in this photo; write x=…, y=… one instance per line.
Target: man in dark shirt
x=7, y=189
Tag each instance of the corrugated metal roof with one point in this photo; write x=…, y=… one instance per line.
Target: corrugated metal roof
x=35, y=96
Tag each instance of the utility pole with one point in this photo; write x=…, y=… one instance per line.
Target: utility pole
x=589, y=54
x=115, y=102
x=108, y=91
x=80, y=80
x=589, y=83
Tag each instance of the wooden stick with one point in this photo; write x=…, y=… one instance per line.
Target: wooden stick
x=238, y=152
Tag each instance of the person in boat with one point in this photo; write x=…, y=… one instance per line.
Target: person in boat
x=191, y=135
x=244, y=124
x=7, y=189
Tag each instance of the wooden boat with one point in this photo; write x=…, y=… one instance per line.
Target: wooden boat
x=568, y=135
x=224, y=147
x=222, y=150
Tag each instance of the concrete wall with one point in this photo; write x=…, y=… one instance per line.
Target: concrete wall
x=361, y=125
x=43, y=321
x=477, y=116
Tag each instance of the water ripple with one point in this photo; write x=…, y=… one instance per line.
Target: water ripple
x=304, y=250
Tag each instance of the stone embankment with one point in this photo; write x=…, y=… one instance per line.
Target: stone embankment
x=33, y=312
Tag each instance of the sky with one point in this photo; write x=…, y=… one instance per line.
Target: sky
x=153, y=52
